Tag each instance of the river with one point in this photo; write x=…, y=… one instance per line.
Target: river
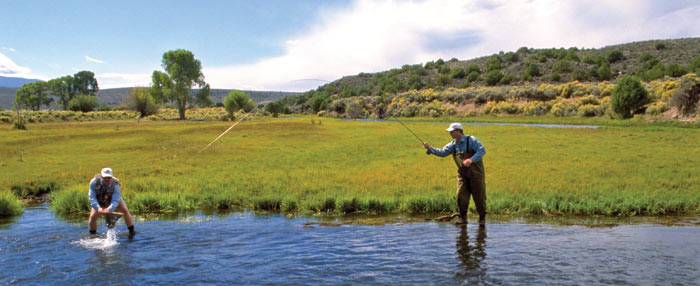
x=39, y=248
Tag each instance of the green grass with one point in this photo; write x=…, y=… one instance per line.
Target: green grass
x=9, y=205
x=291, y=165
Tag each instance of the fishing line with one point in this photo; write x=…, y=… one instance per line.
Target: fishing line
x=427, y=152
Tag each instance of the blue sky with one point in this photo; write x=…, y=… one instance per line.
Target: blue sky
x=279, y=45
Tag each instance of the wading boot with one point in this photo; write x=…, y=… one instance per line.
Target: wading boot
x=461, y=221
x=482, y=220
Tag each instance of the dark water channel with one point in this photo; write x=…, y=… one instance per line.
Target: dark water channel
x=246, y=249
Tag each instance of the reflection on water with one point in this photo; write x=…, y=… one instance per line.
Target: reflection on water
x=248, y=249
x=471, y=256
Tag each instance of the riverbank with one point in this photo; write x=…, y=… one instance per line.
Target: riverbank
x=319, y=165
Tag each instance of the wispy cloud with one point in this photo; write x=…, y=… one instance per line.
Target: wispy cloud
x=89, y=59
x=373, y=36
x=9, y=49
x=9, y=68
x=112, y=80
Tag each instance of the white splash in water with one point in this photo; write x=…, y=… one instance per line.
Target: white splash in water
x=109, y=241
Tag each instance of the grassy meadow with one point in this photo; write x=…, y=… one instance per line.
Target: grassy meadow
x=319, y=165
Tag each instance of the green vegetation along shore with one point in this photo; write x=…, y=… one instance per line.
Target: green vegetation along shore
x=309, y=164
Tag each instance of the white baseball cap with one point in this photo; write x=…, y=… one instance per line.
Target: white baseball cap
x=106, y=172
x=454, y=126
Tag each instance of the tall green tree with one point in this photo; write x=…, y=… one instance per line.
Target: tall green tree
x=34, y=95
x=62, y=88
x=84, y=83
x=182, y=72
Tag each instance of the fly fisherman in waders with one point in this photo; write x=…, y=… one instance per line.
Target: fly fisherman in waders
x=467, y=152
x=105, y=198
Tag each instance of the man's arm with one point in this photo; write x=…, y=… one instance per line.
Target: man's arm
x=447, y=150
x=478, y=148
x=116, y=197
x=93, y=196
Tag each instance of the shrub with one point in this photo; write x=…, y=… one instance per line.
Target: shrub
x=645, y=57
x=494, y=77
x=628, y=97
x=354, y=109
x=603, y=72
x=494, y=63
x=564, y=108
x=507, y=79
x=562, y=66
x=660, y=46
x=473, y=76
x=532, y=70
x=579, y=75
x=443, y=80
x=555, y=77
x=458, y=73
x=511, y=57
x=591, y=99
x=675, y=70
x=686, y=97
x=84, y=103
x=657, y=108
x=236, y=100
x=141, y=101
x=535, y=108
x=475, y=68
x=614, y=56
x=590, y=110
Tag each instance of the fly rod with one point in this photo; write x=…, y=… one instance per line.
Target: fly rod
x=427, y=152
x=222, y=134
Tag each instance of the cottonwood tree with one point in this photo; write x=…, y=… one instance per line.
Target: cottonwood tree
x=33, y=95
x=182, y=72
x=84, y=83
x=62, y=88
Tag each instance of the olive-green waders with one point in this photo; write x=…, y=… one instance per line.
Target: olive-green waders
x=471, y=183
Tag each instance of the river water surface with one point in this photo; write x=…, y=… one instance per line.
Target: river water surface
x=246, y=249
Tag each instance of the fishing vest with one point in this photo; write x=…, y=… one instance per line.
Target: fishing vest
x=104, y=193
x=475, y=170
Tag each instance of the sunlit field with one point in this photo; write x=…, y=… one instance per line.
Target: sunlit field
x=314, y=165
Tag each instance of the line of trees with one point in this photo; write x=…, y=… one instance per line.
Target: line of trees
x=76, y=92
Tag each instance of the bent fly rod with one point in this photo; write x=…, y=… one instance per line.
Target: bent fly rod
x=427, y=152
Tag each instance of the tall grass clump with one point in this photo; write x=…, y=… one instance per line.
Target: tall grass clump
x=424, y=205
x=70, y=200
x=9, y=205
x=33, y=188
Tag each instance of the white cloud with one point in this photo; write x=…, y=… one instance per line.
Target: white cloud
x=89, y=59
x=373, y=36
x=9, y=49
x=9, y=68
x=113, y=80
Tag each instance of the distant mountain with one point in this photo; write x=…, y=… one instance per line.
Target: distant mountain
x=15, y=82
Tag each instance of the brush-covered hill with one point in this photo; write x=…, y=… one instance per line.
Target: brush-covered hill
x=648, y=60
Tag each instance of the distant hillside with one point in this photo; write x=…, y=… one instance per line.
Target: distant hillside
x=6, y=96
x=648, y=60
x=15, y=82
x=116, y=96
